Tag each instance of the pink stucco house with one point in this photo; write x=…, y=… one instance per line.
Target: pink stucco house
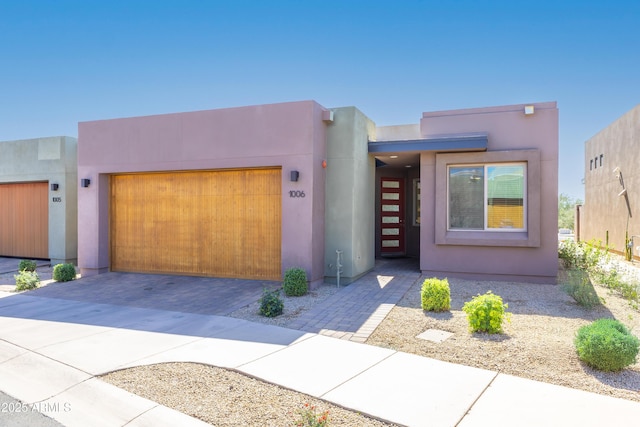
x=249, y=192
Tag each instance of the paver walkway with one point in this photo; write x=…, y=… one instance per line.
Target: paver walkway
x=356, y=310
x=352, y=313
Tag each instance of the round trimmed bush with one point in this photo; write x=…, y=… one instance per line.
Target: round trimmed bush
x=606, y=345
x=27, y=265
x=485, y=313
x=436, y=295
x=270, y=304
x=64, y=272
x=295, y=282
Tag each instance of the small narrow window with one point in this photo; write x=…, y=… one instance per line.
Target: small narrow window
x=416, y=202
x=601, y=155
x=595, y=163
x=591, y=165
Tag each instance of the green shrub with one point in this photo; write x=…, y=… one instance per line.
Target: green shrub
x=26, y=280
x=606, y=345
x=581, y=255
x=436, y=295
x=295, y=282
x=27, y=265
x=580, y=288
x=64, y=272
x=485, y=313
x=270, y=304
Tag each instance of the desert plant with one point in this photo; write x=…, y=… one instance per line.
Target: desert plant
x=27, y=265
x=295, y=282
x=26, y=280
x=436, y=295
x=580, y=288
x=485, y=313
x=271, y=304
x=582, y=255
x=606, y=345
x=628, y=289
x=309, y=417
x=64, y=272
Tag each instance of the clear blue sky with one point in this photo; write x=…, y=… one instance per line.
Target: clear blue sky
x=64, y=61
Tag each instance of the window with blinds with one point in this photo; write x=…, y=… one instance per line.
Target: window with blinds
x=487, y=197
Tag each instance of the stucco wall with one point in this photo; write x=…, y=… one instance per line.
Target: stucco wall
x=51, y=159
x=604, y=213
x=289, y=135
x=350, y=195
x=529, y=257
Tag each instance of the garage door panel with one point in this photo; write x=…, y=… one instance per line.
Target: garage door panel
x=24, y=220
x=214, y=223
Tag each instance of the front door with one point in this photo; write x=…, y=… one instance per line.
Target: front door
x=392, y=216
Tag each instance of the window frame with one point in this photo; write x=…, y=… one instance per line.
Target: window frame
x=530, y=237
x=485, y=202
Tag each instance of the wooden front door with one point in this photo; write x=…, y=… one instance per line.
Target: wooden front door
x=392, y=215
x=24, y=220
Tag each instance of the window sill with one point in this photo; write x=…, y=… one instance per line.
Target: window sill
x=487, y=238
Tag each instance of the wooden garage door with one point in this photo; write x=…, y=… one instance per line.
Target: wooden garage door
x=24, y=220
x=210, y=223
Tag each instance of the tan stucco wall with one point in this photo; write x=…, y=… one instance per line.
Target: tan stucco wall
x=604, y=212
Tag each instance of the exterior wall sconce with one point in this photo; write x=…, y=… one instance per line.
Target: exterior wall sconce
x=295, y=175
x=54, y=187
x=85, y=182
x=529, y=110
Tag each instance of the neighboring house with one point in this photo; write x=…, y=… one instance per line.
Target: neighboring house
x=249, y=192
x=610, y=212
x=38, y=199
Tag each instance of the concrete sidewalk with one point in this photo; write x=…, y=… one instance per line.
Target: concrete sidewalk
x=52, y=349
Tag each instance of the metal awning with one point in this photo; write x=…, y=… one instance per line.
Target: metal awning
x=445, y=143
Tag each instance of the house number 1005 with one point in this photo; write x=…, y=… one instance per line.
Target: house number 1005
x=296, y=193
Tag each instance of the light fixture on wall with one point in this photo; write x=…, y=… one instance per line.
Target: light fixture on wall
x=529, y=110
x=54, y=187
x=85, y=182
x=294, y=176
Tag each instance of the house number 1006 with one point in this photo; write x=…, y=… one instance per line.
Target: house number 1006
x=296, y=193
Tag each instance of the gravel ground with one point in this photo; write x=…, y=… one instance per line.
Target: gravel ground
x=537, y=344
x=226, y=398
x=293, y=307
